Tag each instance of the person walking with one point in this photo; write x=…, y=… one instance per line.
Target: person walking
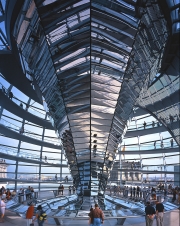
x=150, y=214
x=97, y=215
x=159, y=213
x=3, y=206
x=40, y=216
x=30, y=213
x=144, y=124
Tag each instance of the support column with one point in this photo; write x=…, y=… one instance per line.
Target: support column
x=39, y=175
x=165, y=169
x=61, y=163
x=141, y=165
x=120, y=165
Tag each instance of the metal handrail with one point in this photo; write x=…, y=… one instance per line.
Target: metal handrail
x=28, y=133
x=13, y=151
x=105, y=218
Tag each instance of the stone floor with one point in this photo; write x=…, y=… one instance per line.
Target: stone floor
x=170, y=219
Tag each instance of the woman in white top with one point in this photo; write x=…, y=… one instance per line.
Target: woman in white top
x=3, y=196
x=3, y=206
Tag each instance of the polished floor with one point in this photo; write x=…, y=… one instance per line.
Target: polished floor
x=170, y=219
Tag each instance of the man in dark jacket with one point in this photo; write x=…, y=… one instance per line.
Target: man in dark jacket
x=150, y=213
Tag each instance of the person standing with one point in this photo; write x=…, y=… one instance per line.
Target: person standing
x=74, y=189
x=56, y=176
x=150, y=214
x=10, y=95
x=91, y=217
x=154, y=144
x=153, y=124
x=21, y=130
x=66, y=179
x=29, y=214
x=172, y=142
x=97, y=215
x=131, y=190
x=62, y=189
x=144, y=124
x=138, y=190
x=70, y=190
x=3, y=206
x=59, y=190
x=159, y=213
x=134, y=191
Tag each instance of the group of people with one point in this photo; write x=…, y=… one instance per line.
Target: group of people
x=31, y=216
x=175, y=193
x=5, y=194
x=168, y=120
x=136, y=192
x=131, y=192
x=28, y=192
x=72, y=188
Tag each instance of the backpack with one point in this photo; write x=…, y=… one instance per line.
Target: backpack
x=43, y=216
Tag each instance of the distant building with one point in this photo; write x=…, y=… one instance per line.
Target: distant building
x=3, y=168
x=130, y=173
x=177, y=176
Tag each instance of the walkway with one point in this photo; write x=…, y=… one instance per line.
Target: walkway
x=149, y=130
x=9, y=105
x=10, y=133
x=147, y=171
x=31, y=160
